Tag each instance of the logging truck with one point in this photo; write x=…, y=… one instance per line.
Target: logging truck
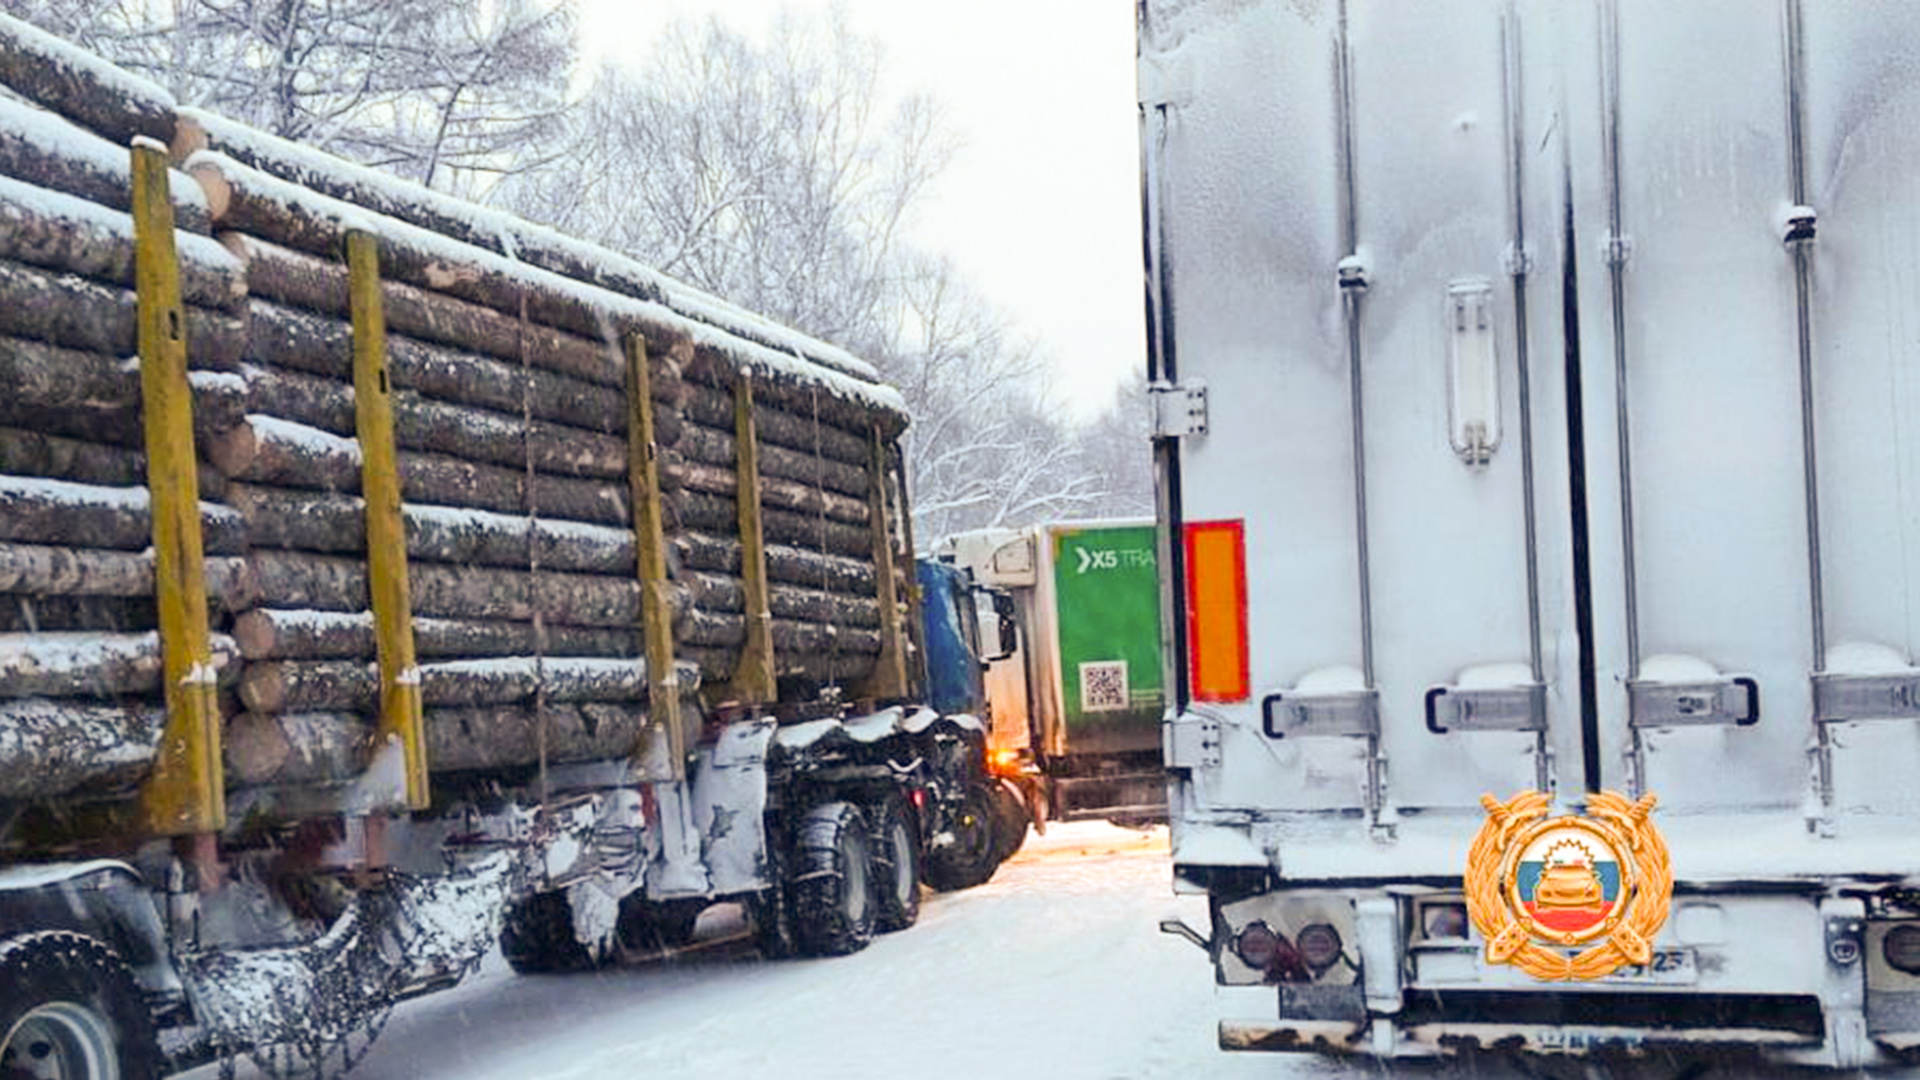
x=386, y=578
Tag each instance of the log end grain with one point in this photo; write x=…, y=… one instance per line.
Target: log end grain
x=214, y=184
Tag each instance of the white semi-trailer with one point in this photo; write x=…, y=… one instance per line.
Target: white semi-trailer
x=1534, y=390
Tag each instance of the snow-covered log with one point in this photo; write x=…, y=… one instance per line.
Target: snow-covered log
x=317, y=401
x=481, y=538
x=44, y=570
x=50, y=749
x=68, y=80
x=96, y=397
x=55, y=614
x=38, y=511
x=421, y=423
x=713, y=446
x=784, y=494
x=282, y=338
x=266, y=450
x=70, y=311
x=439, y=372
x=783, y=388
x=37, y=453
x=270, y=634
x=309, y=685
x=296, y=748
x=448, y=481
x=299, y=280
x=721, y=593
x=312, y=521
x=719, y=515
x=60, y=232
x=286, y=579
x=75, y=664
x=846, y=393
x=47, y=151
x=795, y=566
x=509, y=679
x=497, y=233
x=713, y=406
x=791, y=637
x=333, y=747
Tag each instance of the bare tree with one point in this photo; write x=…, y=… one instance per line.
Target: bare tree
x=768, y=174
x=447, y=92
x=771, y=175
x=987, y=447
x=1115, y=450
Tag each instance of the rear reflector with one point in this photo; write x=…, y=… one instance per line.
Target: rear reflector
x=1217, y=610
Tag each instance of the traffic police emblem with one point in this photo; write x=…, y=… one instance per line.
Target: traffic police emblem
x=1570, y=897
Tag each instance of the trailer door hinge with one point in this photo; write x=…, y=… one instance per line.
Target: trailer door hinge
x=1179, y=409
x=1192, y=742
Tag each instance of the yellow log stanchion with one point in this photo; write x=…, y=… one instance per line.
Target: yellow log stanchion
x=185, y=795
x=889, y=678
x=753, y=681
x=649, y=534
x=401, y=723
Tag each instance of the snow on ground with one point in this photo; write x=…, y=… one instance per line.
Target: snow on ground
x=1054, y=970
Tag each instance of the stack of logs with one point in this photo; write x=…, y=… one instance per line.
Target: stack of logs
x=512, y=408
x=81, y=701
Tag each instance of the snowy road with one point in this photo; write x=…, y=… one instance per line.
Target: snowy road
x=1054, y=970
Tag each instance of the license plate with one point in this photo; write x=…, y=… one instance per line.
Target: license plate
x=1668, y=967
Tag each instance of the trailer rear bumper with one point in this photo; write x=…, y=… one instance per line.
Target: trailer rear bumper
x=1295, y=1036
x=1788, y=973
x=1340, y=1037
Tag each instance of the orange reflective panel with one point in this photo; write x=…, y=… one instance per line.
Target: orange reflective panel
x=1217, y=610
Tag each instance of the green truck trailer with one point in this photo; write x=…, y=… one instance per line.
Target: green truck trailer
x=1076, y=702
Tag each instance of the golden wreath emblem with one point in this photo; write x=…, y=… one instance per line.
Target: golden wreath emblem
x=1569, y=897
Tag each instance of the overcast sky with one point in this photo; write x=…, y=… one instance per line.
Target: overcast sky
x=1041, y=206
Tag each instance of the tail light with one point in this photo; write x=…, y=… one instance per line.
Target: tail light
x=1901, y=947
x=1265, y=950
x=1319, y=947
x=1257, y=945
x=1439, y=922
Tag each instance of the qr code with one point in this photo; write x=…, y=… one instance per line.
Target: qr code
x=1103, y=685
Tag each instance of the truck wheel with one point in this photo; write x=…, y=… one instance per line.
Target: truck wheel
x=832, y=884
x=70, y=1010
x=770, y=910
x=896, y=865
x=1010, y=820
x=537, y=936
x=647, y=928
x=968, y=858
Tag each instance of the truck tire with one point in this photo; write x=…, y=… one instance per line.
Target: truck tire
x=896, y=865
x=647, y=928
x=832, y=883
x=969, y=857
x=537, y=936
x=1010, y=820
x=70, y=1010
x=771, y=909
